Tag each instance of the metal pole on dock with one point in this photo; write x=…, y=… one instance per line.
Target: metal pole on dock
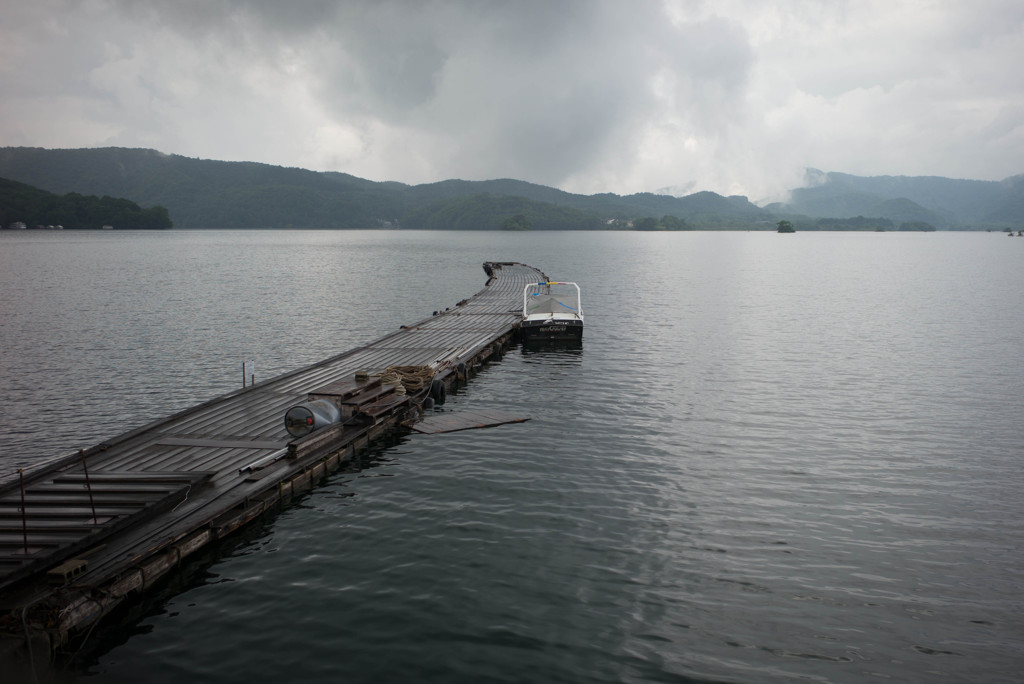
x=243, y=375
x=88, y=486
x=24, y=515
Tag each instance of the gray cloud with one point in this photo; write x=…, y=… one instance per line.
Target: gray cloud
x=595, y=95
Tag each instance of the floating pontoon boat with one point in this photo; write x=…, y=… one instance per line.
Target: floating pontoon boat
x=552, y=312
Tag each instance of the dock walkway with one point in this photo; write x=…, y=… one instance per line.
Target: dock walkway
x=85, y=533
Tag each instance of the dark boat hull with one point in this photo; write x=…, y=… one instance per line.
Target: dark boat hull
x=551, y=331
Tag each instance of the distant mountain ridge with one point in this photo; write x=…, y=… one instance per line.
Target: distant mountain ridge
x=25, y=206
x=943, y=202
x=217, y=194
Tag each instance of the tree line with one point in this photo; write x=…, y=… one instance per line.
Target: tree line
x=868, y=224
x=664, y=223
x=32, y=206
x=486, y=211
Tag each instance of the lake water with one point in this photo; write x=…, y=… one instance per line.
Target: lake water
x=776, y=458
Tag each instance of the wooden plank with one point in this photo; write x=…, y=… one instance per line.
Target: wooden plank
x=345, y=388
x=48, y=524
x=380, y=410
x=220, y=443
x=14, y=513
x=82, y=498
x=42, y=538
x=100, y=487
x=465, y=420
x=193, y=476
x=369, y=396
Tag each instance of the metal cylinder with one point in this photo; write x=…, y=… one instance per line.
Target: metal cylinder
x=303, y=419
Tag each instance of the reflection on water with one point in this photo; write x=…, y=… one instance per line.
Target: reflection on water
x=558, y=352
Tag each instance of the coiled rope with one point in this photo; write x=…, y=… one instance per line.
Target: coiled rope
x=412, y=378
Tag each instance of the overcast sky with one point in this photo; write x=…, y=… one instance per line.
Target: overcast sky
x=735, y=96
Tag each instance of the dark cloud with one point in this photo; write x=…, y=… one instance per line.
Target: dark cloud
x=590, y=95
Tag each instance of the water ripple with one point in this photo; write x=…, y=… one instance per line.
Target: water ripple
x=769, y=462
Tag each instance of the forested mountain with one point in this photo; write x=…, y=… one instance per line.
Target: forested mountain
x=203, y=193
x=215, y=194
x=942, y=202
x=20, y=203
x=488, y=212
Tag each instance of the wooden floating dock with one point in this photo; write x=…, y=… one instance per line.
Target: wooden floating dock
x=84, y=534
x=465, y=420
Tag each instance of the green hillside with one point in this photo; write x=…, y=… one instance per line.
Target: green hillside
x=215, y=194
x=20, y=203
x=488, y=212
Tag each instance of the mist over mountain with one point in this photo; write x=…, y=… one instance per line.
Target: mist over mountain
x=215, y=194
x=944, y=202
